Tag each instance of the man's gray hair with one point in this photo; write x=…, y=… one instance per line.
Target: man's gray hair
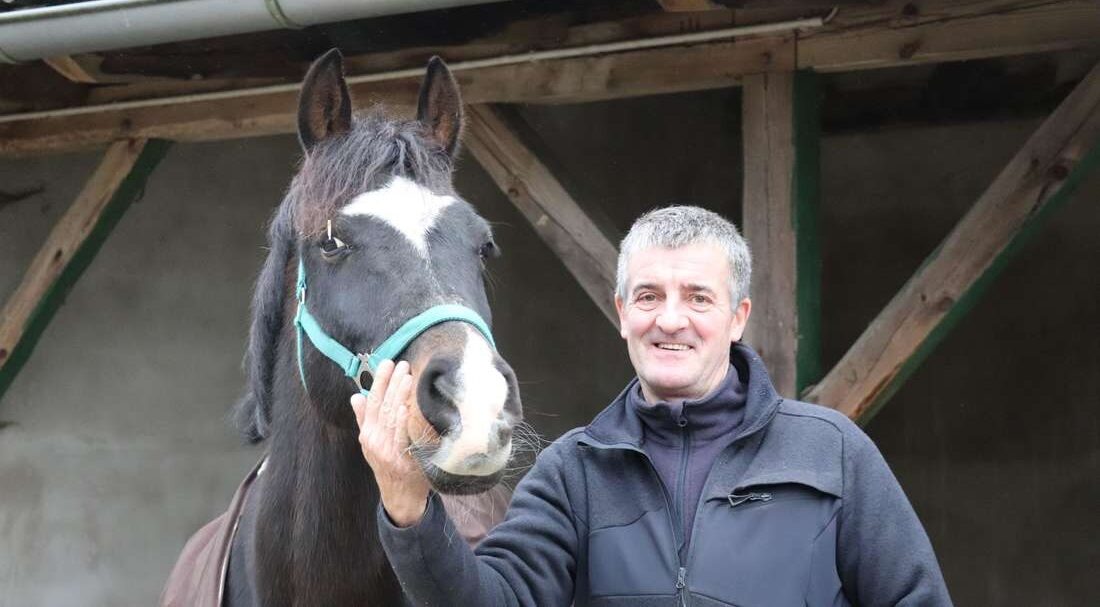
x=678, y=226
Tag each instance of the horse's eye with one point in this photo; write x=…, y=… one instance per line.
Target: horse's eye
x=333, y=246
x=487, y=250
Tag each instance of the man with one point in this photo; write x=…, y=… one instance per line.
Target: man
x=698, y=485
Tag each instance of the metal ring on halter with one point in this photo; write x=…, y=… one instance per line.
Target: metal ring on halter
x=364, y=369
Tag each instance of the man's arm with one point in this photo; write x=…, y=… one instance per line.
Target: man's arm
x=529, y=559
x=884, y=555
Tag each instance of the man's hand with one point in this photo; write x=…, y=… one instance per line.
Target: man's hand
x=383, y=436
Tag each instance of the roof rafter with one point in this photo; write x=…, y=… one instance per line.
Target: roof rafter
x=856, y=38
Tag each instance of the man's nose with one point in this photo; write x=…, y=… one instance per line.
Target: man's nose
x=671, y=318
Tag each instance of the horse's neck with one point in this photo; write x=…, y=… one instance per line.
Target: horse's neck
x=318, y=519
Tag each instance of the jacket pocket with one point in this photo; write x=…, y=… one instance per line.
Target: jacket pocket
x=756, y=546
x=638, y=558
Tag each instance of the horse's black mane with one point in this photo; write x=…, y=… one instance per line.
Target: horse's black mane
x=334, y=171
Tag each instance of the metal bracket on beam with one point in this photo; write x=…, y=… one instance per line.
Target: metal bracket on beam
x=279, y=15
x=6, y=58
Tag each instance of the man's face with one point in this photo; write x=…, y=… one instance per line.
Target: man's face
x=678, y=321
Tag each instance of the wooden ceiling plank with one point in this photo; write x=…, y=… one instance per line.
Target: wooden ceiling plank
x=572, y=80
x=864, y=39
x=687, y=6
x=955, y=33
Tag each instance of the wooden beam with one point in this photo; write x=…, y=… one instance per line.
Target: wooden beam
x=681, y=6
x=779, y=212
x=588, y=255
x=229, y=115
x=70, y=248
x=70, y=68
x=911, y=33
x=891, y=34
x=1034, y=183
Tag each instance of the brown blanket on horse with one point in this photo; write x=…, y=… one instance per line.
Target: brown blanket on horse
x=198, y=578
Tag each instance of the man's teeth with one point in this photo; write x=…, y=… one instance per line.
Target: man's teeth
x=673, y=346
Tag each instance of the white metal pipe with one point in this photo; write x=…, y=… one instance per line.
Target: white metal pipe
x=531, y=57
x=104, y=25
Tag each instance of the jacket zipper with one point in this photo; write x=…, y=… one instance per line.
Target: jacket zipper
x=706, y=482
x=681, y=482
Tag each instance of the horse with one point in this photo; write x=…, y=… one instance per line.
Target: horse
x=371, y=244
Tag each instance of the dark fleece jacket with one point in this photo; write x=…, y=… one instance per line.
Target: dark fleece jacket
x=799, y=509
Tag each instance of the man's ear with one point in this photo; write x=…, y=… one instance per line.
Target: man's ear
x=621, y=309
x=740, y=319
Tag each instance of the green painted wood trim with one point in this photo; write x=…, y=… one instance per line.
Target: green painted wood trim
x=973, y=295
x=128, y=191
x=806, y=193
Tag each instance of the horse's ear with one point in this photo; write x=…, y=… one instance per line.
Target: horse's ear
x=439, y=108
x=324, y=106
x=252, y=414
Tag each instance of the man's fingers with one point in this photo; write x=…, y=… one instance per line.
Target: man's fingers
x=400, y=406
x=382, y=378
x=400, y=433
x=399, y=370
x=359, y=405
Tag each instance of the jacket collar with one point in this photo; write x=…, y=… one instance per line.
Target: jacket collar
x=619, y=426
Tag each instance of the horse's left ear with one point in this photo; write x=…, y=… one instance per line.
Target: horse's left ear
x=324, y=106
x=439, y=108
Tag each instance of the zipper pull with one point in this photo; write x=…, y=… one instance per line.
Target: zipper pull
x=680, y=583
x=737, y=500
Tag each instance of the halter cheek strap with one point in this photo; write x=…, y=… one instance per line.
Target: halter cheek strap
x=351, y=363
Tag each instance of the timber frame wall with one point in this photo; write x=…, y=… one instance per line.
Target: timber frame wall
x=780, y=127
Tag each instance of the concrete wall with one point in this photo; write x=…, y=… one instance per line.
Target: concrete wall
x=113, y=461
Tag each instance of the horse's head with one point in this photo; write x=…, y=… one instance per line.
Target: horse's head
x=381, y=236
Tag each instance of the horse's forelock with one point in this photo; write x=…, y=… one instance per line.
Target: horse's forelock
x=363, y=159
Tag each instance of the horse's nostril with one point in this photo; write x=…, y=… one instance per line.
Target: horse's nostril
x=437, y=395
x=504, y=434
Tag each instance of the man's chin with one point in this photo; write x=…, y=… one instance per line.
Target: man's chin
x=667, y=388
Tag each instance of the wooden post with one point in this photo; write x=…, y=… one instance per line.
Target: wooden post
x=1035, y=182
x=588, y=255
x=779, y=202
x=70, y=248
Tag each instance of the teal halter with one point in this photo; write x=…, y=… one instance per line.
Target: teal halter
x=350, y=362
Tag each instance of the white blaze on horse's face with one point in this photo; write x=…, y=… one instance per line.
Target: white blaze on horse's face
x=480, y=390
x=480, y=394
x=405, y=205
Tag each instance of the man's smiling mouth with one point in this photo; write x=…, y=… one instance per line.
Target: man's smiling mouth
x=674, y=347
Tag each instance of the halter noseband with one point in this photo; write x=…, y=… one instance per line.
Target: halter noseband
x=350, y=362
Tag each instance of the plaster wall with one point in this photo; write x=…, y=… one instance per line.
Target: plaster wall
x=118, y=445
